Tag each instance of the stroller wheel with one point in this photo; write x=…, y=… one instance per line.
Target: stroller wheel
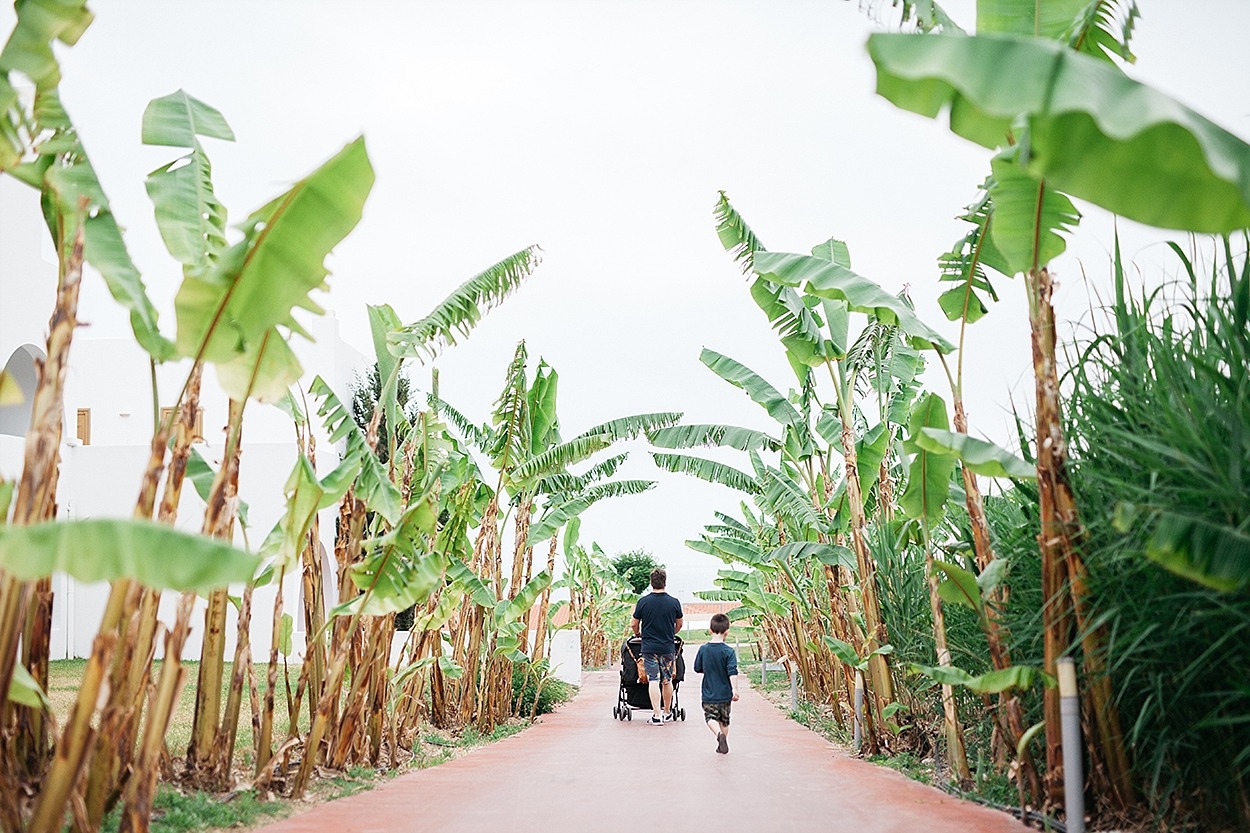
x=683, y=715
x=616, y=712
x=629, y=714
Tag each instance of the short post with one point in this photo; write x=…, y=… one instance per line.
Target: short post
x=1073, y=768
x=794, y=689
x=859, y=710
x=763, y=673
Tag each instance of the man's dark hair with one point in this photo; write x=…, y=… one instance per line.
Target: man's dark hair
x=659, y=578
x=720, y=623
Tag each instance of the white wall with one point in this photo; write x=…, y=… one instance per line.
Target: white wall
x=103, y=482
x=27, y=269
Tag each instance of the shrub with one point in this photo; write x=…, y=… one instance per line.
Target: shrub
x=533, y=679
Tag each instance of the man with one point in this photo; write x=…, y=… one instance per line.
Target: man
x=658, y=618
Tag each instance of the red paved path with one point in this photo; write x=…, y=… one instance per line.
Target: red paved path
x=582, y=771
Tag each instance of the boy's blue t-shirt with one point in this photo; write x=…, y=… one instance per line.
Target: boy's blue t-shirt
x=717, y=662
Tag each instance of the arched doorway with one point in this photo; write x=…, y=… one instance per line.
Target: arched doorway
x=15, y=419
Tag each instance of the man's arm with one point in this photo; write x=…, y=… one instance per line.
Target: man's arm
x=635, y=624
x=677, y=625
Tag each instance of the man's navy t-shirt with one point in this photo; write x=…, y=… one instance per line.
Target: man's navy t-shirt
x=717, y=662
x=658, y=613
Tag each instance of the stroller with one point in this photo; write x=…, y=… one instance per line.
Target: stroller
x=633, y=694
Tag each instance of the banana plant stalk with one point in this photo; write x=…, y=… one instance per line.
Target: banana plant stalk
x=539, y=649
x=141, y=786
x=218, y=523
x=1065, y=612
x=34, y=502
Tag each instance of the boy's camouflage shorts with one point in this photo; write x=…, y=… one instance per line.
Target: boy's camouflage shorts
x=717, y=711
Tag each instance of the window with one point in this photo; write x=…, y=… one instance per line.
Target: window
x=197, y=429
x=84, y=426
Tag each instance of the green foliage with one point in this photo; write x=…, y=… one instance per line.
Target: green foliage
x=1157, y=162
x=760, y=391
x=367, y=392
x=635, y=568
x=929, y=481
x=531, y=681
x=979, y=456
x=104, y=550
x=991, y=682
x=174, y=811
x=374, y=485
x=25, y=690
x=191, y=219
x=1161, y=467
x=1013, y=17
x=459, y=312
x=228, y=314
x=709, y=470
x=826, y=279
x=965, y=265
x=717, y=436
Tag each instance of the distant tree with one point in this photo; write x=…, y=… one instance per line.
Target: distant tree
x=365, y=395
x=635, y=567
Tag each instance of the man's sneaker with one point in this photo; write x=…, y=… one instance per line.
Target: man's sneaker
x=656, y=720
x=668, y=717
x=722, y=743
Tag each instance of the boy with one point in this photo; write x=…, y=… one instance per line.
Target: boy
x=718, y=664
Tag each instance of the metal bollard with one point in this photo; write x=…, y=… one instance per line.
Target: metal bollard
x=763, y=673
x=1073, y=764
x=794, y=689
x=859, y=710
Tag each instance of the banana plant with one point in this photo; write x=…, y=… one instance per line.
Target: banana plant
x=790, y=288
x=1062, y=64
x=928, y=490
x=524, y=446
x=598, y=602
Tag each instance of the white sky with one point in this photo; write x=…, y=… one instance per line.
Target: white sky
x=601, y=131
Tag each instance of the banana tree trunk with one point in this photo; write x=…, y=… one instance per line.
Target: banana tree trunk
x=141, y=786
x=1011, y=716
x=540, y=634
x=76, y=740
x=264, y=737
x=1064, y=608
x=218, y=523
x=878, y=665
x=954, y=733
x=347, y=545
x=228, y=733
x=473, y=619
x=27, y=605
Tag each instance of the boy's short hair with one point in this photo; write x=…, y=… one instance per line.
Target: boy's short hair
x=659, y=578
x=720, y=623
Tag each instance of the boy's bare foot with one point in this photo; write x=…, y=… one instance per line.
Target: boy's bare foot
x=722, y=743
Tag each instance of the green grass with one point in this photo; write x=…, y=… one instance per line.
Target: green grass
x=65, y=677
x=177, y=812
x=908, y=764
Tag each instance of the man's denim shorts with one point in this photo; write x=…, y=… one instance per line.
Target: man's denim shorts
x=659, y=666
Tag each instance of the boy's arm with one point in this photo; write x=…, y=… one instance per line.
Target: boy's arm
x=731, y=668
x=698, y=661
